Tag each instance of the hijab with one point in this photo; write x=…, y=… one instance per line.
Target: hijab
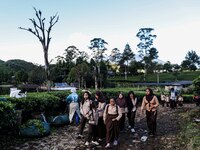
x=150, y=96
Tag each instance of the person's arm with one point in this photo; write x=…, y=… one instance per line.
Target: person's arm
x=157, y=102
x=104, y=114
x=143, y=104
x=119, y=114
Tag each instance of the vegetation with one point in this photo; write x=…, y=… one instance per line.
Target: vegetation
x=191, y=130
x=7, y=115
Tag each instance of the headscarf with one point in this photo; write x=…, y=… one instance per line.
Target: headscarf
x=150, y=96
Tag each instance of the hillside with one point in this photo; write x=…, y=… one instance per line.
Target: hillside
x=16, y=65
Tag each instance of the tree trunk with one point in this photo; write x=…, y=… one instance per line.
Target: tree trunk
x=95, y=78
x=47, y=70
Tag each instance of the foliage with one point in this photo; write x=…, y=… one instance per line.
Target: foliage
x=192, y=60
x=36, y=102
x=191, y=131
x=146, y=52
x=34, y=122
x=7, y=115
x=196, y=84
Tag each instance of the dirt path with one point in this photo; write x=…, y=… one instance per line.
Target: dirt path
x=62, y=138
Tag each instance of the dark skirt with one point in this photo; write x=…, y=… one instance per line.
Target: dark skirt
x=151, y=121
x=112, y=128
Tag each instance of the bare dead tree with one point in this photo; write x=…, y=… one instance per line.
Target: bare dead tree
x=43, y=35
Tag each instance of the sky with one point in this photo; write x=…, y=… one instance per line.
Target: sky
x=176, y=24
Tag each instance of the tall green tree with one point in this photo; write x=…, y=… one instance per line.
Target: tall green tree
x=97, y=45
x=114, y=59
x=39, y=30
x=146, y=43
x=126, y=57
x=192, y=60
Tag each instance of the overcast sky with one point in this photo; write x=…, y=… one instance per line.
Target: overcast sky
x=176, y=24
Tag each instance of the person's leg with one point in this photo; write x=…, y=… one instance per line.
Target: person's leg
x=129, y=118
x=133, y=113
x=82, y=125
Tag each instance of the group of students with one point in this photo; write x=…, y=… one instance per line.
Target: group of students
x=106, y=120
x=172, y=99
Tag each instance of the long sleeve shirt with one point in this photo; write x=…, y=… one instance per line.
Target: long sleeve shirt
x=150, y=106
x=85, y=107
x=93, y=117
x=112, y=110
x=122, y=104
x=101, y=107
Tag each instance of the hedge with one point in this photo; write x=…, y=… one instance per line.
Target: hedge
x=7, y=115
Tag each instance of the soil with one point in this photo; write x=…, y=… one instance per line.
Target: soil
x=168, y=128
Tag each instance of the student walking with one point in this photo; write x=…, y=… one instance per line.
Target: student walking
x=131, y=101
x=121, y=102
x=112, y=115
x=92, y=117
x=150, y=104
x=101, y=102
x=84, y=109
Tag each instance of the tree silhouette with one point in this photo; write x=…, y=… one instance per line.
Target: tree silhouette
x=98, y=48
x=43, y=35
x=145, y=45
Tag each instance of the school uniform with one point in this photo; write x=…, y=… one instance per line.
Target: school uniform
x=84, y=109
x=162, y=97
x=131, y=104
x=151, y=113
x=180, y=101
x=101, y=126
x=92, y=117
x=112, y=127
x=123, y=107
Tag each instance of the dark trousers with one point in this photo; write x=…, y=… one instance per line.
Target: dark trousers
x=112, y=128
x=82, y=124
x=172, y=103
x=122, y=122
x=151, y=121
x=131, y=118
x=101, y=128
x=92, y=132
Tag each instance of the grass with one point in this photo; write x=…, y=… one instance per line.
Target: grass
x=190, y=133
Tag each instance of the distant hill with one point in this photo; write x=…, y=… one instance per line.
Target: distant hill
x=16, y=65
x=137, y=58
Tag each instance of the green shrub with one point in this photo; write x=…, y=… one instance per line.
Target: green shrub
x=36, y=103
x=7, y=115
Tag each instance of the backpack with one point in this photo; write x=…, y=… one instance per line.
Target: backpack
x=116, y=109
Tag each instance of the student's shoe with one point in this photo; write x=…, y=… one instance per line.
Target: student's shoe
x=100, y=140
x=95, y=142
x=115, y=143
x=86, y=143
x=107, y=145
x=132, y=130
x=129, y=126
